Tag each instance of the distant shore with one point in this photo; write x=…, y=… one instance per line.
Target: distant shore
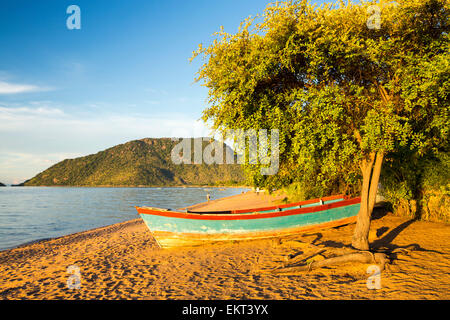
x=122, y=261
x=137, y=186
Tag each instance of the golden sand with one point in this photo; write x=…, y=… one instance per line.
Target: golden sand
x=122, y=261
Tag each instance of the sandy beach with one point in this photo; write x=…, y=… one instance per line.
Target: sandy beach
x=122, y=261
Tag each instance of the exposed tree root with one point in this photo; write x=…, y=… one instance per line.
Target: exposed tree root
x=296, y=261
x=383, y=257
x=361, y=257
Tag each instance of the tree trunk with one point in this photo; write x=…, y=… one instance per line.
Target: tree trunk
x=374, y=182
x=360, y=239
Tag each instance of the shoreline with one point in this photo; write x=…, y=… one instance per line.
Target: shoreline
x=43, y=241
x=73, y=234
x=245, y=200
x=123, y=261
x=108, y=186
x=31, y=242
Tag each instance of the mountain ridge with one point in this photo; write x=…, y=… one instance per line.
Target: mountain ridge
x=144, y=162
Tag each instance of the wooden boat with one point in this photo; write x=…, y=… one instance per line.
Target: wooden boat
x=177, y=228
x=282, y=207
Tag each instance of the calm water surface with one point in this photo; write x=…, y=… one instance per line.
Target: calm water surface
x=33, y=213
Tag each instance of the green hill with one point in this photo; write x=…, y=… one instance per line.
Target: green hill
x=145, y=162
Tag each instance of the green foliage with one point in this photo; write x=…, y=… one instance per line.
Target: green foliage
x=299, y=191
x=437, y=173
x=145, y=162
x=418, y=186
x=336, y=90
x=435, y=187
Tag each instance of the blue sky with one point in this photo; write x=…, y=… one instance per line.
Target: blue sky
x=124, y=75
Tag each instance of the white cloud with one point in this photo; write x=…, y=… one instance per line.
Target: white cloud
x=182, y=99
x=34, y=138
x=16, y=167
x=25, y=111
x=14, y=88
x=45, y=120
x=152, y=102
x=156, y=91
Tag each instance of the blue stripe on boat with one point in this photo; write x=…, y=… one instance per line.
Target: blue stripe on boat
x=179, y=225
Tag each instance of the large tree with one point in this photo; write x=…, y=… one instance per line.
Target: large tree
x=344, y=84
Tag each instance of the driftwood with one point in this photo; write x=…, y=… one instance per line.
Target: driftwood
x=361, y=256
x=295, y=260
x=383, y=256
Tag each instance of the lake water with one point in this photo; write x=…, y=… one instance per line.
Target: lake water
x=32, y=213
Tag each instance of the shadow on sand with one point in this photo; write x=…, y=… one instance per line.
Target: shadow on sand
x=384, y=244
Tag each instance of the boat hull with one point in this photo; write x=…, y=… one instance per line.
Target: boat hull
x=175, y=229
x=283, y=207
x=167, y=239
